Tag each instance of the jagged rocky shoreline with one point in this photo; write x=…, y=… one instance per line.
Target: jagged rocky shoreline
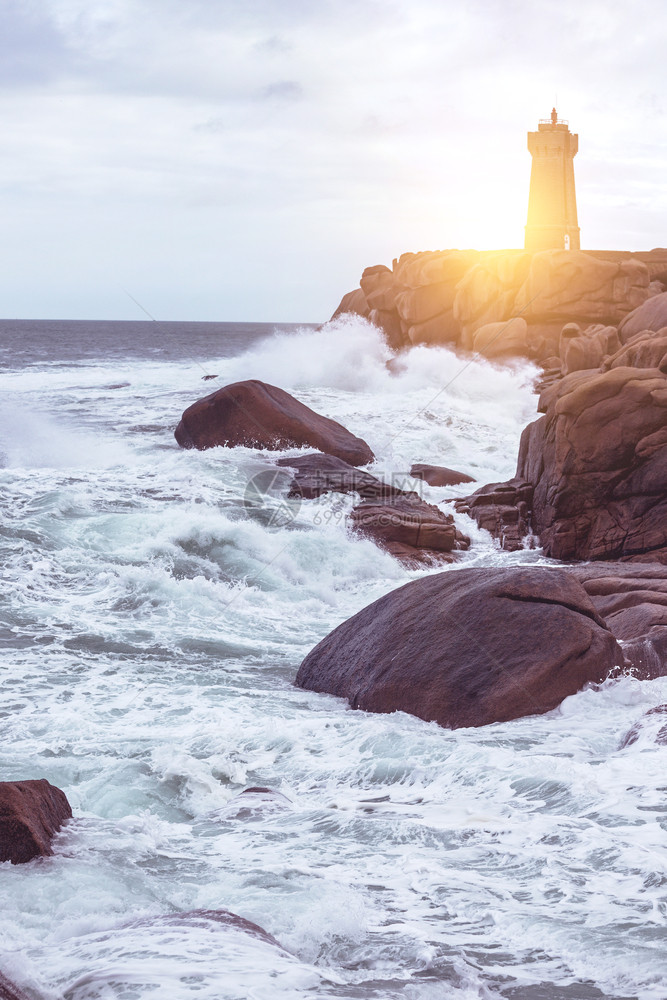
x=591, y=479
x=504, y=303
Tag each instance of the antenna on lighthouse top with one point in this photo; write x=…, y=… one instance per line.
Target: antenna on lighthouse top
x=554, y=116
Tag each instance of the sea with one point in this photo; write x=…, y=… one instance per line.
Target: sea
x=156, y=605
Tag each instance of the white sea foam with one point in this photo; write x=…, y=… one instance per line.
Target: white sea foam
x=428, y=405
x=32, y=439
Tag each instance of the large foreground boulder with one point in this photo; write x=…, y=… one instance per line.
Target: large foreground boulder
x=30, y=813
x=259, y=415
x=467, y=648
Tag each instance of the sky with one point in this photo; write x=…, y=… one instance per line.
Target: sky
x=245, y=160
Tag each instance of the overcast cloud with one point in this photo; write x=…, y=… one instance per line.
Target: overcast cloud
x=246, y=159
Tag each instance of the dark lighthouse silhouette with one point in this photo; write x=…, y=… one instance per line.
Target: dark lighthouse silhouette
x=552, y=202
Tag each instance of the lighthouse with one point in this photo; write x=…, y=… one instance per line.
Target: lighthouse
x=552, y=203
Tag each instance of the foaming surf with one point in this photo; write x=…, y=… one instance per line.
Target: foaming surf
x=150, y=631
x=36, y=439
x=426, y=405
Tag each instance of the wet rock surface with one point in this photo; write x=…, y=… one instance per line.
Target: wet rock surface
x=439, y=475
x=10, y=991
x=512, y=302
x=467, y=648
x=316, y=474
x=31, y=812
x=504, y=509
x=222, y=917
x=632, y=598
x=414, y=531
x=258, y=415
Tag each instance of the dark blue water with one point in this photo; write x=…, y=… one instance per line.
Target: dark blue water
x=25, y=342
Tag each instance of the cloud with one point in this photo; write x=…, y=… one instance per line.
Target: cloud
x=340, y=131
x=282, y=90
x=32, y=49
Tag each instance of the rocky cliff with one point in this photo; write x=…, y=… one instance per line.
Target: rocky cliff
x=503, y=303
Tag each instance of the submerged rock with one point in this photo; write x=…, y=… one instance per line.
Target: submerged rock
x=652, y=725
x=258, y=415
x=31, y=812
x=254, y=802
x=467, y=648
x=224, y=917
x=10, y=991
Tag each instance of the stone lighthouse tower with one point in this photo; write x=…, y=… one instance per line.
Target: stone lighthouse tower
x=552, y=204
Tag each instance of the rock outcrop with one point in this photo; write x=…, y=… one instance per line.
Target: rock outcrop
x=467, y=648
x=645, y=350
x=632, y=599
x=426, y=287
x=259, y=415
x=510, y=302
x=586, y=349
x=315, y=474
x=649, y=315
x=353, y=302
x=439, y=475
x=31, y=812
x=410, y=529
x=591, y=479
x=598, y=463
x=378, y=287
x=504, y=509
